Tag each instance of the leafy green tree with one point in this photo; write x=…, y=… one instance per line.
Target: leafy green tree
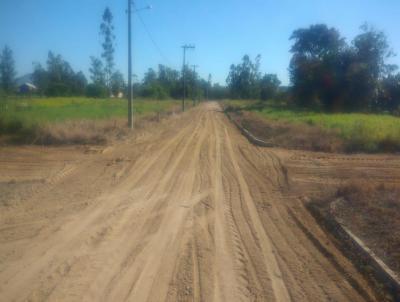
x=313, y=65
x=155, y=91
x=79, y=84
x=40, y=78
x=59, y=79
x=97, y=88
x=389, y=94
x=97, y=74
x=150, y=77
x=170, y=80
x=163, y=83
x=329, y=74
x=117, y=83
x=243, y=79
x=96, y=91
x=219, y=92
x=7, y=70
x=269, y=86
x=60, y=76
x=371, y=50
x=107, y=32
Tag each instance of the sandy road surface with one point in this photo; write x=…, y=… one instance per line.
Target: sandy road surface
x=188, y=211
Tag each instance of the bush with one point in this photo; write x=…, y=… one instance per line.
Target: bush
x=58, y=89
x=96, y=91
x=155, y=91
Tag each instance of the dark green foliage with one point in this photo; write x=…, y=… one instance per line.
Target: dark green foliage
x=94, y=90
x=244, y=79
x=7, y=70
x=246, y=82
x=389, y=96
x=79, y=83
x=97, y=74
x=155, y=91
x=40, y=78
x=117, y=83
x=328, y=74
x=269, y=86
x=218, y=92
x=59, y=79
x=164, y=83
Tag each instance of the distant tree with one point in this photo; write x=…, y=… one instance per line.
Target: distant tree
x=163, y=83
x=312, y=67
x=219, y=92
x=155, y=91
x=150, y=77
x=96, y=91
x=107, y=32
x=389, y=94
x=58, y=79
x=60, y=75
x=169, y=79
x=79, y=84
x=7, y=70
x=371, y=50
x=97, y=88
x=243, y=79
x=40, y=78
x=329, y=74
x=117, y=83
x=97, y=74
x=269, y=86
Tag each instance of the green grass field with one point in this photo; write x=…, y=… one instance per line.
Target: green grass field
x=366, y=132
x=21, y=114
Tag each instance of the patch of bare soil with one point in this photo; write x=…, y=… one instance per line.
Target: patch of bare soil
x=373, y=213
x=184, y=210
x=289, y=135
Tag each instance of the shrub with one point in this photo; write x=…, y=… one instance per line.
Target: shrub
x=96, y=91
x=155, y=91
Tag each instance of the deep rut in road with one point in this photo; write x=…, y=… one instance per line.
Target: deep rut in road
x=192, y=212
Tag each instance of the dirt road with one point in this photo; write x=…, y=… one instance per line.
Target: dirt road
x=187, y=211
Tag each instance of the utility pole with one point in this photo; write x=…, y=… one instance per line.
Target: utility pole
x=131, y=3
x=185, y=47
x=130, y=113
x=194, y=84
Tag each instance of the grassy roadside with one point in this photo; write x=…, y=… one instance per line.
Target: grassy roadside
x=349, y=132
x=70, y=120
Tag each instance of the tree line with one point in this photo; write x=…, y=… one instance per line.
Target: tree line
x=327, y=73
x=57, y=78
x=245, y=81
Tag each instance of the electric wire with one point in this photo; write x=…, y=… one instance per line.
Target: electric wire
x=155, y=44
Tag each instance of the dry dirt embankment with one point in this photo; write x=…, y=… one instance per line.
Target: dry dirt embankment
x=186, y=210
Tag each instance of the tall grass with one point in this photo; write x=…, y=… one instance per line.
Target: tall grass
x=361, y=131
x=28, y=119
x=23, y=117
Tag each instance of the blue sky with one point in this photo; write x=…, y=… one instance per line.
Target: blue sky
x=222, y=30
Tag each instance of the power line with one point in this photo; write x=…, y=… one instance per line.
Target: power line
x=160, y=52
